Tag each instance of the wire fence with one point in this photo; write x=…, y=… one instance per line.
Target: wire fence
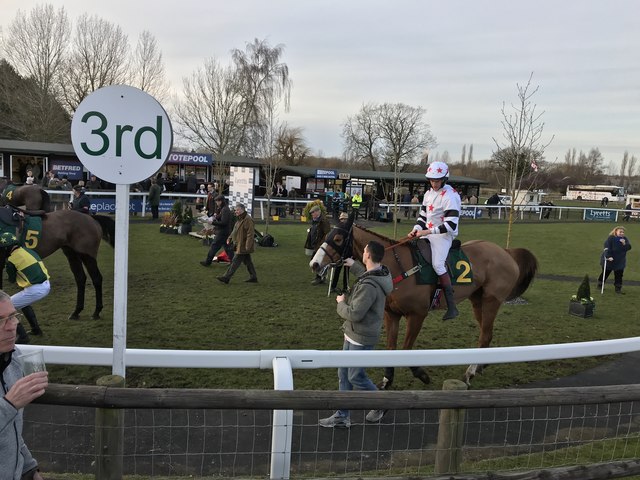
x=508, y=431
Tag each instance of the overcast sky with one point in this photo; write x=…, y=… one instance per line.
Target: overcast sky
x=457, y=59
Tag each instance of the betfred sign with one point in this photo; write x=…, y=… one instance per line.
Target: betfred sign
x=121, y=134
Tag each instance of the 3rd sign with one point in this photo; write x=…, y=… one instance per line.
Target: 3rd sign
x=121, y=134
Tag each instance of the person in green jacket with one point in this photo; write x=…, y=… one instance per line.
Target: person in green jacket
x=25, y=267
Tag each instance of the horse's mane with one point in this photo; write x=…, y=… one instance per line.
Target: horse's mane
x=376, y=234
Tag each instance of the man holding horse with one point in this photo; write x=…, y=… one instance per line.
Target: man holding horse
x=363, y=313
x=438, y=219
x=80, y=202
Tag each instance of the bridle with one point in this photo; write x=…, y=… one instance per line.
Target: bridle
x=339, y=252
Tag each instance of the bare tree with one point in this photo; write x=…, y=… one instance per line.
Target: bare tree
x=35, y=45
x=147, y=68
x=631, y=169
x=522, y=151
x=361, y=134
x=623, y=167
x=404, y=136
x=264, y=84
x=211, y=111
x=291, y=147
x=99, y=57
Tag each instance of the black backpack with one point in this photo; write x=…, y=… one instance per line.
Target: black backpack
x=267, y=241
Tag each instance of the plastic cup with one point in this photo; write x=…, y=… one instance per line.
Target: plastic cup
x=33, y=362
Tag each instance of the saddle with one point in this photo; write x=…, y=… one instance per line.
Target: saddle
x=457, y=263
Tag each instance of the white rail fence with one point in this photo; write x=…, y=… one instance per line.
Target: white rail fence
x=283, y=362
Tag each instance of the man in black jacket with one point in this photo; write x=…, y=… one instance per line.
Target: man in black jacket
x=221, y=221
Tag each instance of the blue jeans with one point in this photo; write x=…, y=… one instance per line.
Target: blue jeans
x=354, y=378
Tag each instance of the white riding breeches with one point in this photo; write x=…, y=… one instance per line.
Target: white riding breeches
x=440, y=245
x=31, y=295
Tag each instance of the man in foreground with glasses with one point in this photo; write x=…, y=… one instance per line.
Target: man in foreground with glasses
x=18, y=391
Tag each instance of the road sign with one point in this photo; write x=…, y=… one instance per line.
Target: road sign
x=121, y=134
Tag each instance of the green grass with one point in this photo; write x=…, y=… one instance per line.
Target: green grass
x=174, y=303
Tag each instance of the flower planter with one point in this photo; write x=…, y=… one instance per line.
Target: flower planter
x=163, y=229
x=580, y=309
x=186, y=228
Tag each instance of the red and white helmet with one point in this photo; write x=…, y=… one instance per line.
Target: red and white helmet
x=437, y=171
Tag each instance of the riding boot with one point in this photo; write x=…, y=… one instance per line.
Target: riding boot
x=452, y=311
x=30, y=315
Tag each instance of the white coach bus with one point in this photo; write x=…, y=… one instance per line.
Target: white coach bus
x=598, y=193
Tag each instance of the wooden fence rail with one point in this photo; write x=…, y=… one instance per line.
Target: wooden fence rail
x=111, y=397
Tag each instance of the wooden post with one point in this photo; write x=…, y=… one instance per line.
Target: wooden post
x=109, y=435
x=450, y=431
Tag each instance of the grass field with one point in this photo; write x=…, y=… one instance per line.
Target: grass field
x=174, y=303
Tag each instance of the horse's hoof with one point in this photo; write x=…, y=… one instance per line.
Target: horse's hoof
x=422, y=376
x=95, y=316
x=74, y=316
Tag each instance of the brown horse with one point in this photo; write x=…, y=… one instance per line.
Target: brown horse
x=31, y=197
x=498, y=275
x=78, y=235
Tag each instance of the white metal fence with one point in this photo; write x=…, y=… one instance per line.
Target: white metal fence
x=283, y=362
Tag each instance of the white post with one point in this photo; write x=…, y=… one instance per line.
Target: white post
x=121, y=267
x=604, y=269
x=282, y=422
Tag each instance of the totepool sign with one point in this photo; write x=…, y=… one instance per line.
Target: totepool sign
x=121, y=134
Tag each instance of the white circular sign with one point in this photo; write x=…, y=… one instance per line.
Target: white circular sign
x=121, y=134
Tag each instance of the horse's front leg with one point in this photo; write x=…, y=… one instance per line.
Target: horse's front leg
x=414, y=325
x=75, y=264
x=391, y=325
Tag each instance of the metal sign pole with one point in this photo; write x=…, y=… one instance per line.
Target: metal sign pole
x=120, y=285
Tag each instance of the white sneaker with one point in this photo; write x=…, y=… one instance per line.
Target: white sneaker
x=375, y=416
x=335, y=421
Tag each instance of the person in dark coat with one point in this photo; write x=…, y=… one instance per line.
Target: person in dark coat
x=221, y=221
x=615, y=251
x=80, y=202
x=153, y=197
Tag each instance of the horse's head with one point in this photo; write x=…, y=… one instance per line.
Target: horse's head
x=336, y=247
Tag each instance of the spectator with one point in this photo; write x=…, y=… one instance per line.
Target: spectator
x=363, y=313
x=94, y=183
x=16, y=461
x=473, y=200
x=65, y=184
x=627, y=213
x=615, y=251
x=210, y=203
x=243, y=237
x=153, y=197
x=30, y=179
x=315, y=236
x=192, y=182
x=493, y=200
x=54, y=182
x=199, y=201
x=279, y=192
x=356, y=202
x=80, y=202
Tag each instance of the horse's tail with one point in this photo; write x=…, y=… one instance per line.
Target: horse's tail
x=528, y=265
x=46, y=200
x=108, y=226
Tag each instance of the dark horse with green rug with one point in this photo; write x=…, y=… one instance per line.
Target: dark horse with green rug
x=487, y=275
x=77, y=234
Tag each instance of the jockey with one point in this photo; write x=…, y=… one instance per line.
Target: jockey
x=439, y=220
